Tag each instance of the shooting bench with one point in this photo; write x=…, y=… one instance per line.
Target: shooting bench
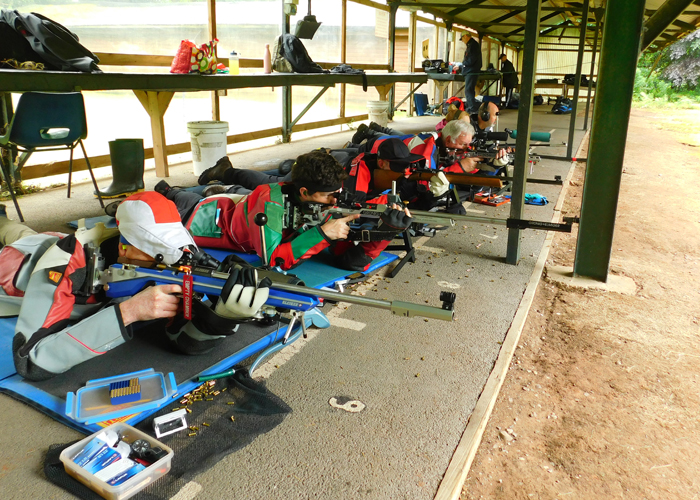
x=156, y=90
x=442, y=81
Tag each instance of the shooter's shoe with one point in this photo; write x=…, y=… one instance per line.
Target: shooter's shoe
x=360, y=134
x=214, y=189
x=162, y=187
x=215, y=173
x=285, y=167
x=111, y=209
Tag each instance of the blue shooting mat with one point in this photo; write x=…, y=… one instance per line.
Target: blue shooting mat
x=150, y=349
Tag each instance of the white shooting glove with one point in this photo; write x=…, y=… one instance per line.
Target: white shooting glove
x=242, y=296
x=504, y=160
x=439, y=184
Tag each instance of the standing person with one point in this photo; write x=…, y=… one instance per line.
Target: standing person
x=510, y=77
x=471, y=66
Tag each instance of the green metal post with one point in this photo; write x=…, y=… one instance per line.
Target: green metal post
x=577, y=82
x=619, y=52
x=522, y=142
x=286, y=93
x=590, y=78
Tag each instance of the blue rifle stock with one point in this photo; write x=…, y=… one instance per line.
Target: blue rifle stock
x=122, y=280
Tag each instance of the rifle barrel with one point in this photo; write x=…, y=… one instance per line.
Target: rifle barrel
x=407, y=309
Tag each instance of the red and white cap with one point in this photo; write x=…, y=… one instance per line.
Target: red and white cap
x=150, y=222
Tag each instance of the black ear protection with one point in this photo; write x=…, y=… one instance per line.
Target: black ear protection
x=484, y=113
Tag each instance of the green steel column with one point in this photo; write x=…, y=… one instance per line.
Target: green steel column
x=590, y=78
x=619, y=52
x=286, y=93
x=583, y=27
x=522, y=141
x=664, y=16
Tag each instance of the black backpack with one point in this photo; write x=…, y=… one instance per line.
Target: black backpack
x=53, y=43
x=290, y=49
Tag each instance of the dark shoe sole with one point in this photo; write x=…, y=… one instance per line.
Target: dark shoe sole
x=215, y=173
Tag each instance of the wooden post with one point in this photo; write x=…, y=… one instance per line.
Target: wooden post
x=215, y=110
x=156, y=104
x=343, y=50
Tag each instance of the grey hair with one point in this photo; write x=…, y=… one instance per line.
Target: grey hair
x=455, y=128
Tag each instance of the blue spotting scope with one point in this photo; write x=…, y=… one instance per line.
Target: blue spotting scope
x=534, y=136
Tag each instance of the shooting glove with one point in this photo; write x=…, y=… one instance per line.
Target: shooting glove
x=393, y=219
x=439, y=184
x=500, y=162
x=242, y=295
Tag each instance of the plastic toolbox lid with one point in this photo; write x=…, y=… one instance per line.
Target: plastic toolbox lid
x=92, y=404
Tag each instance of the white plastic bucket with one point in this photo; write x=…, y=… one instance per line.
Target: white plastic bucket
x=208, y=143
x=378, y=112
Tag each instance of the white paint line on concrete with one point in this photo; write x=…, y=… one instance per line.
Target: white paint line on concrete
x=447, y=284
x=348, y=324
x=281, y=357
x=431, y=249
x=189, y=491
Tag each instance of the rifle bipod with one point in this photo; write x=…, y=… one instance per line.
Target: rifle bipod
x=313, y=317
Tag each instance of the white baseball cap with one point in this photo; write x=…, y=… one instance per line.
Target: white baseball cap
x=150, y=222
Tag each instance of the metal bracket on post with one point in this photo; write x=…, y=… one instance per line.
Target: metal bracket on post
x=261, y=220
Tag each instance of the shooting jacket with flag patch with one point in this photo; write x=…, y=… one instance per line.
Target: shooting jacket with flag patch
x=228, y=222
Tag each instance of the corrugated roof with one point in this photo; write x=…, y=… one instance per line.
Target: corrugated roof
x=504, y=20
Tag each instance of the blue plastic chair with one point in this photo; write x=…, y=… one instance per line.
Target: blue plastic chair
x=45, y=122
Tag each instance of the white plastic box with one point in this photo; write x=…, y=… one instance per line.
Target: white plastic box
x=130, y=487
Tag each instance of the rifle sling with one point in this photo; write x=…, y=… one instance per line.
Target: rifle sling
x=366, y=235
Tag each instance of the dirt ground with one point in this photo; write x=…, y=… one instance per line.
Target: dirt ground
x=602, y=399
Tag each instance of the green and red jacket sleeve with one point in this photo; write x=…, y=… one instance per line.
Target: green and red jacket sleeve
x=286, y=248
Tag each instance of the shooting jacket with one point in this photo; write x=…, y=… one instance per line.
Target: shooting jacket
x=228, y=222
x=59, y=326
x=360, y=173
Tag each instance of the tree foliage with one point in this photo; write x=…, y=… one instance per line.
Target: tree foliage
x=682, y=67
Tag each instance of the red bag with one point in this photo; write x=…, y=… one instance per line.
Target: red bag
x=193, y=59
x=181, y=61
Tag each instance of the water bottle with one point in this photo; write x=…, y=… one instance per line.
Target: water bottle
x=267, y=60
x=233, y=63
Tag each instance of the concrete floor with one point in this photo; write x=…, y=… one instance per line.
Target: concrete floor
x=419, y=379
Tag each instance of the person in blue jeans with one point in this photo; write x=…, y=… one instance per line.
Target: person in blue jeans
x=471, y=67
